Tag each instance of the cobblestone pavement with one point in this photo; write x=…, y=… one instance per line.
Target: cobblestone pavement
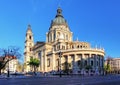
x=93, y=80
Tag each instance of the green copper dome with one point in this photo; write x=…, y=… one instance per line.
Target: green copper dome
x=59, y=19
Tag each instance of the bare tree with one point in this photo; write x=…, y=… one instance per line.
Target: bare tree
x=7, y=55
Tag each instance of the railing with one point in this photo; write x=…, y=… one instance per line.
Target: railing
x=77, y=49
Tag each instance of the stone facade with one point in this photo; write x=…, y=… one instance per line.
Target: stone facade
x=60, y=48
x=114, y=64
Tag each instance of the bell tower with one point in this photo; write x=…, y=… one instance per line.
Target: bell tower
x=29, y=43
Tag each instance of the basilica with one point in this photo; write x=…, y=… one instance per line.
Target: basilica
x=59, y=53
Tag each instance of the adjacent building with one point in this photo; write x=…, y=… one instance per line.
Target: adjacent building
x=60, y=48
x=114, y=64
x=11, y=65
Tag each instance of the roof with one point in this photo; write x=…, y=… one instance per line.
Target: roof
x=38, y=44
x=1, y=58
x=59, y=19
x=29, y=30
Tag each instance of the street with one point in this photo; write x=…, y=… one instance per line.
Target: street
x=93, y=80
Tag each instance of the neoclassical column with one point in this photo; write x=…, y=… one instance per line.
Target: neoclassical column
x=41, y=63
x=74, y=64
x=69, y=59
x=63, y=59
x=76, y=59
x=86, y=58
x=95, y=60
x=92, y=59
x=53, y=62
x=102, y=61
x=45, y=61
x=82, y=60
x=89, y=55
x=99, y=61
x=52, y=37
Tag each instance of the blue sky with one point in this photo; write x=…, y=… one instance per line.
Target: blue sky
x=94, y=21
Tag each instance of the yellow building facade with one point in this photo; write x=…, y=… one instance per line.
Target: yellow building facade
x=60, y=52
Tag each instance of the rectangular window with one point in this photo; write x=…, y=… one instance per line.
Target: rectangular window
x=48, y=62
x=79, y=62
x=91, y=62
x=39, y=54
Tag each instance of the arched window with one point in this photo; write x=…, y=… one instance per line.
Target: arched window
x=30, y=37
x=39, y=54
x=30, y=49
x=63, y=47
x=58, y=34
x=72, y=46
x=81, y=46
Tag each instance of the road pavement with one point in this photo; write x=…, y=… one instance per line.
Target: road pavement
x=66, y=80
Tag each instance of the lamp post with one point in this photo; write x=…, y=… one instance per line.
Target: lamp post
x=8, y=73
x=9, y=56
x=60, y=55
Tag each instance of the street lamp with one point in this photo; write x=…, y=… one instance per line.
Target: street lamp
x=60, y=55
x=8, y=73
x=9, y=57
